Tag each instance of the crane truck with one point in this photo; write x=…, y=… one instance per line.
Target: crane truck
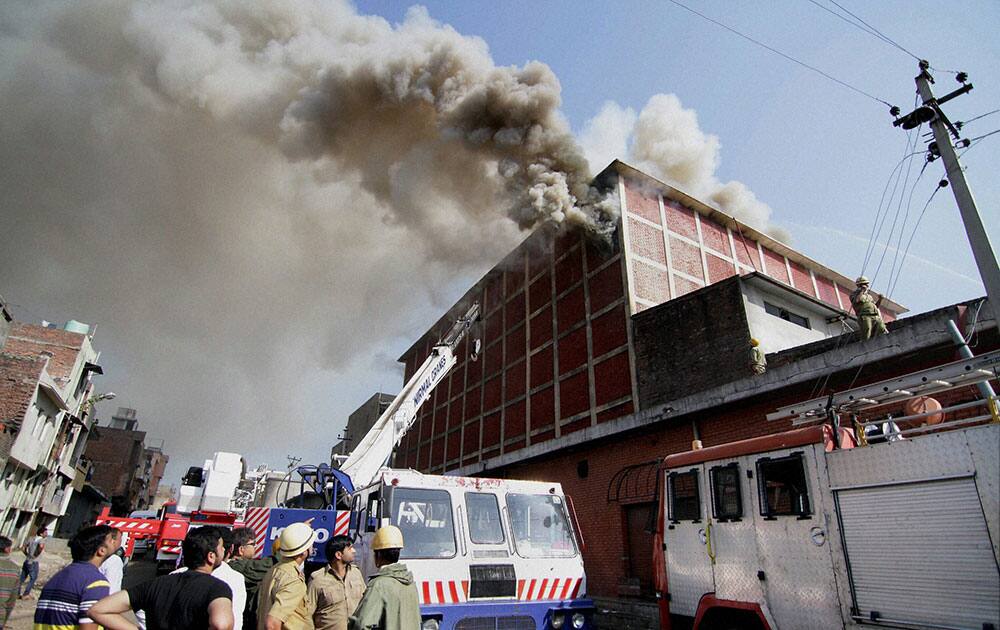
x=485, y=553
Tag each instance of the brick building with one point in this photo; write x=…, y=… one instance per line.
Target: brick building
x=117, y=452
x=359, y=422
x=600, y=359
x=152, y=473
x=46, y=386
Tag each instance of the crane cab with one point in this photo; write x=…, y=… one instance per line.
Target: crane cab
x=482, y=551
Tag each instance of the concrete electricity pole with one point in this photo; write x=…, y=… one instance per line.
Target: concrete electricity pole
x=930, y=112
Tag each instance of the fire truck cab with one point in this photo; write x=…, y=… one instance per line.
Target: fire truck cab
x=803, y=529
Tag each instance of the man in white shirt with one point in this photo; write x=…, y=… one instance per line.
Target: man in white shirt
x=234, y=579
x=113, y=569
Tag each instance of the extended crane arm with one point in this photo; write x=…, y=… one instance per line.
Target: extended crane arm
x=375, y=449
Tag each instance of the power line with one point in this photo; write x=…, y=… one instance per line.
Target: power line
x=909, y=242
x=893, y=272
x=985, y=135
x=779, y=53
x=966, y=122
x=895, y=217
x=871, y=237
x=877, y=32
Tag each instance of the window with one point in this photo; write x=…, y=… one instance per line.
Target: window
x=685, y=500
x=540, y=525
x=425, y=518
x=787, y=315
x=484, y=518
x=781, y=484
x=727, y=500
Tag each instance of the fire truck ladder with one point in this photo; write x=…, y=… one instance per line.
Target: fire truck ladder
x=867, y=398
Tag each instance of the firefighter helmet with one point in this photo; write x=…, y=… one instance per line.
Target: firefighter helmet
x=295, y=539
x=388, y=537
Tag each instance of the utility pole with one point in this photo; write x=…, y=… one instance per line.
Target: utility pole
x=930, y=112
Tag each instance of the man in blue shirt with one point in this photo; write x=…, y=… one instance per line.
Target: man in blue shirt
x=66, y=599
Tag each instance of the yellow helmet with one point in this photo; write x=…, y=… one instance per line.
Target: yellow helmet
x=295, y=539
x=754, y=342
x=861, y=280
x=388, y=537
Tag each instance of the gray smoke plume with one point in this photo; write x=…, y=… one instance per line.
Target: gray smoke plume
x=254, y=199
x=666, y=141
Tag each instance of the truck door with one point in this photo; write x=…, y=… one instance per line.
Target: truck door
x=731, y=534
x=688, y=554
x=491, y=569
x=795, y=563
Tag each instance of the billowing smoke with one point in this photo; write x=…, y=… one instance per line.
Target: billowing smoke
x=253, y=198
x=664, y=140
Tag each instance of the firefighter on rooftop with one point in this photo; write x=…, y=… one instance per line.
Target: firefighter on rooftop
x=866, y=308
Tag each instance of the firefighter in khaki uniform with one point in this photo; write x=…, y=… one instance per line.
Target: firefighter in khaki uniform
x=391, y=601
x=336, y=589
x=283, y=600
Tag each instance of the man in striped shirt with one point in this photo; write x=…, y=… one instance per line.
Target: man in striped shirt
x=66, y=599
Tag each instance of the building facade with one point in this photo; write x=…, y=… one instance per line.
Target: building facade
x=559, y=348
x=599, y=359
x=117, y=452
x=359, y=422
x=46, y=400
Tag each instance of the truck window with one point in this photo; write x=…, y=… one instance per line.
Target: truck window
x=540, y=525
x=727, y=501
x=484, y=518
x=425, y=518
x=685, y=500
x=781, y=484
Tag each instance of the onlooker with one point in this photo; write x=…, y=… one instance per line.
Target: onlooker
x=252, y=569
x=235, y=581
x=336, y=589
x=391, y=601
x=9, y=582
x=192, y=599
x=72, y=592
x=32, y=549
x=283, y=601
x=113, y=569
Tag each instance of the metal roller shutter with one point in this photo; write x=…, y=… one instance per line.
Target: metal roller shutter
x=921, y=553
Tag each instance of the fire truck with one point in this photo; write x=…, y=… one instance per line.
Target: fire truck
x=485, y=553
x=206, y=498
x=880, y=508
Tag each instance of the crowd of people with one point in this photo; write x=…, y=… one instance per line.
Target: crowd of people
x=221, y=585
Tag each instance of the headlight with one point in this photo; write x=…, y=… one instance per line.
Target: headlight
x=557, y=620
x=578, y=620
x=430, y=624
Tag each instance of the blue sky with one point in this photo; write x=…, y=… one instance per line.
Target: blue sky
x=817, y=153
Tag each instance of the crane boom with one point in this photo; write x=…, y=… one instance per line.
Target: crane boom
x=374, y=450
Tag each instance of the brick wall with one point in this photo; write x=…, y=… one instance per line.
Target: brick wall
x=555, y=356
x=18, y=382
x=32, y=340
x=674, y=250
x=691, y=343
x=116, y=454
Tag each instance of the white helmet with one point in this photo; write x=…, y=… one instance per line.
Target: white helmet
x=295, y=539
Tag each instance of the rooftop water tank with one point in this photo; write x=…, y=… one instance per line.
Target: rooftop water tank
x=77, y=327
